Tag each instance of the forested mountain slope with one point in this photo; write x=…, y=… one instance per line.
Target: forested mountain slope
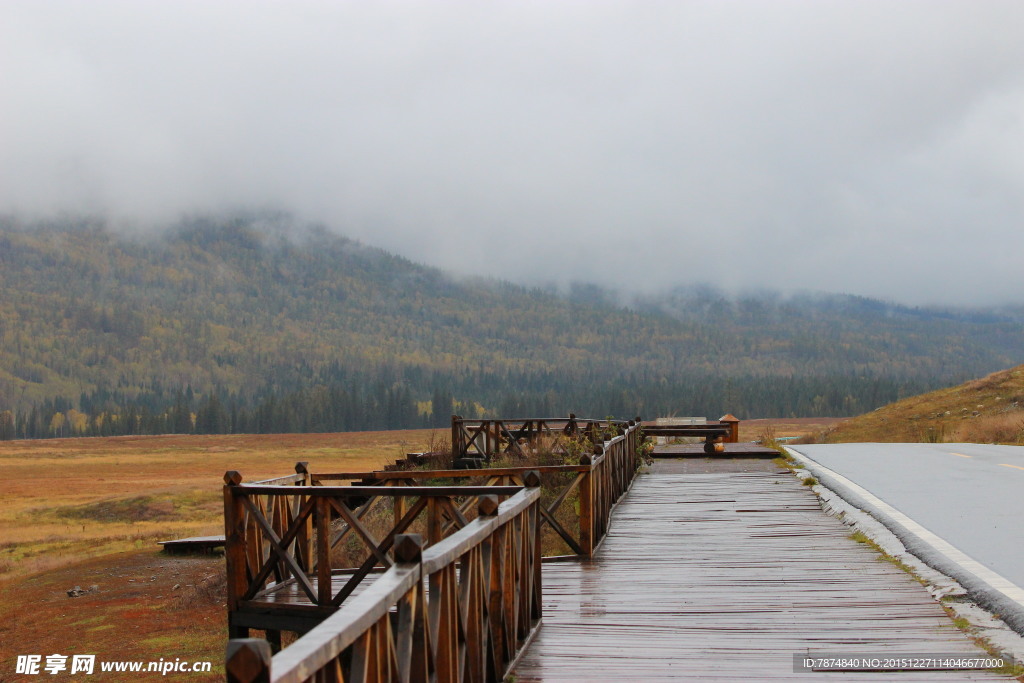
x=255, y=323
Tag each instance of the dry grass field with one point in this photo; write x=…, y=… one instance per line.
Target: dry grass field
x=89, y=512
x=794, y=427
x=985, y=410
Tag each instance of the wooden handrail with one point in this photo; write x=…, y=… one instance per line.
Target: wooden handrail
x=364, y=491
x=387, y=475
x=281, y=481
x=466, y=626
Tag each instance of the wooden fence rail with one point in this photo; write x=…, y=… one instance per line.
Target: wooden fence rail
x=459, y=610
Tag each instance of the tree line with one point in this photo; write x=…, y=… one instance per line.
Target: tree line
x=377, y=406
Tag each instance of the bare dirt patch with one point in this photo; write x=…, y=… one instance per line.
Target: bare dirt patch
x=135, y=606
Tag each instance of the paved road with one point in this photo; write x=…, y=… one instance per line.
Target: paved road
x=965, y=504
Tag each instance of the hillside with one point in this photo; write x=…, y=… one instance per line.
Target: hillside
x=986, y=410
x=255, y=322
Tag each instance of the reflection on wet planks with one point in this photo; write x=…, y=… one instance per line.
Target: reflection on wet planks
x=725, y=576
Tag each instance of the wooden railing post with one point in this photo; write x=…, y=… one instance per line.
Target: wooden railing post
x=234, y=550
x=600, y=495
x=413, y=652
x=435, y=525
x=304, y=539
x=734, y=427
x=458, y=450
x=247, y=661
x=324, y=588
x=531, y=479
x=587, y=507
x=303, y=469
x=399, y=508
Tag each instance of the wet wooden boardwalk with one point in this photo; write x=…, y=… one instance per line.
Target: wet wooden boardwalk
x=723, y=571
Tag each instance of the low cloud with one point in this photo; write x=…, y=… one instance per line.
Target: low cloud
x=874, y=148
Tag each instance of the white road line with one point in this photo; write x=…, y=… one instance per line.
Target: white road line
x=994, y=580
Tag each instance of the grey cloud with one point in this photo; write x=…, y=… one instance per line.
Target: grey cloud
x=874, y=147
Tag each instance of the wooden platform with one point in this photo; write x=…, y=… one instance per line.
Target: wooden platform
x=724, y=576
x=196, y=544
x=732, y=450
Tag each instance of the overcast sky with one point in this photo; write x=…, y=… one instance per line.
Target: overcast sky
x=874, y=148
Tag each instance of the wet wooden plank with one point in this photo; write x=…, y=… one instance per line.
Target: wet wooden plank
x=724, y=576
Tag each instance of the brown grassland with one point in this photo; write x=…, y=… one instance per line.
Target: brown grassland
x=985, y=410
x=89, y=512
x=795, y=427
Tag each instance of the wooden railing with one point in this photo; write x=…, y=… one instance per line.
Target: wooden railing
x=482, y=596
x=281, y=537
x=599, y=479
x=485, y=439
x=459, y=610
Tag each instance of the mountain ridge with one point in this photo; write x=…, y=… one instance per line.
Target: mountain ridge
x=254, y=306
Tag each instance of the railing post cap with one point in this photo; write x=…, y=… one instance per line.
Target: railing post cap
x=247, y=660
x=302, y=468
x=487, y=506
x=728, y=417
x=598, y=449
x=585, y=460
x=572, y=416
x=408, y=548
x=638, y=419
x=232, y=478
x=531, y=478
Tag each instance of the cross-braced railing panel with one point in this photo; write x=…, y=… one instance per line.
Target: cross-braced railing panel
x=299, y=541
x=458, y=611
x=577, y=499
x=486, y=439
x=561, y=485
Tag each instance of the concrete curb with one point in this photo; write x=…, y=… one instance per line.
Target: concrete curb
x=984, y=587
